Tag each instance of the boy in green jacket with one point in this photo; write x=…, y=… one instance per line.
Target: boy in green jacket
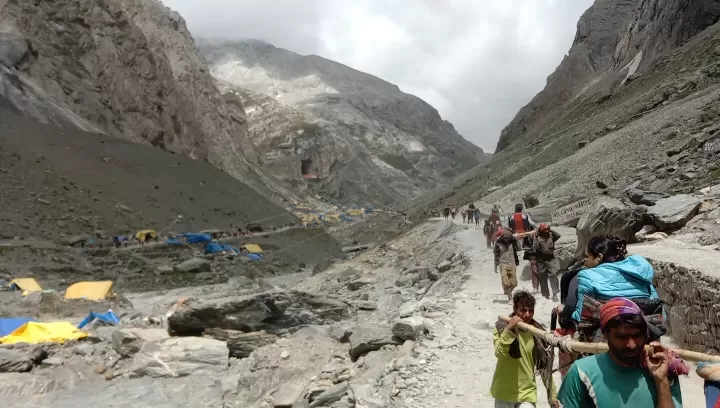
x=519, y=354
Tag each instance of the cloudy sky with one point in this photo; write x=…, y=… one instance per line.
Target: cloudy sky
x=477, y=61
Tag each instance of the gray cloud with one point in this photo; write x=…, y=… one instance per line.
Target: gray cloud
x=477, y=61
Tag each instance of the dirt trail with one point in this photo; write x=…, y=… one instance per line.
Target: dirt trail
x=462, y=374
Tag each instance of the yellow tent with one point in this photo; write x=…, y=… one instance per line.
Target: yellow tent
x=27, y=285
x=34, y=332
x=142, y=235
x=355, y=213
x=89, y=290
x=252, y=248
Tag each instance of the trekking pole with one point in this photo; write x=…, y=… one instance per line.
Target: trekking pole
x=570, y=345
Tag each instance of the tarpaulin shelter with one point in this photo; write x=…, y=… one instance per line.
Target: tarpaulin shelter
x=35, y=332
x=253, y=248
x=173, y=241
x=213, y=248
x=146, y=235
x=97, y=290
x=355, y=212
x=28, y=285
x=254, y=257
x=191, y=238
x=108, y=317
x=10, y=324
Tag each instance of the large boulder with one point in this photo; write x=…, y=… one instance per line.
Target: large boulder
x=194, y=265
x=20, y=361
x=674, y=212
x=369, y=337
x=641, y=197
x=270, y=311
x=135, y=393
x=409, y=328
x=242, y=344
x=608, y=216
x=180, y=357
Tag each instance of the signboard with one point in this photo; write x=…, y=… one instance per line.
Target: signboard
x=572, y=211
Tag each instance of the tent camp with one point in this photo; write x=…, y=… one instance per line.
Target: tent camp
x=98, y=290
x=10, y=324
x=145, y=235
x=28, y=285
x=252, y=248
x=35, y=332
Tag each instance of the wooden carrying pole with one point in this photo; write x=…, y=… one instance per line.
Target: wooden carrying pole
x=596, y=348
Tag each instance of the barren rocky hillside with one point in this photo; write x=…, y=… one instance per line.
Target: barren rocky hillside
x=635, y=100
x=323, y=127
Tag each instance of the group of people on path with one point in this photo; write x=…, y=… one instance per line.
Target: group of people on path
x=469, y=215
x=538, y=245
x=607, y=297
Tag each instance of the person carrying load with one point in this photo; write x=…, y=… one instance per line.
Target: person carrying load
x=609, y=273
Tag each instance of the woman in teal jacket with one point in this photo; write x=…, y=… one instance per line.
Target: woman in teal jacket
x=611, y=273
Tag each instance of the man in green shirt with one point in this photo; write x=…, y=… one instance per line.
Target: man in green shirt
x=625, y=376
x=519, y=354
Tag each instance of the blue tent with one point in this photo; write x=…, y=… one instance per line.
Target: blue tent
x=197, y=238
x=173, y=241
x=228, y=247
x=9, y=324
x=108, y=317
x=213, y=248
x=254, y=257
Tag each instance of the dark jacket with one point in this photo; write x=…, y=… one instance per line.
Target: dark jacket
x=544, y=247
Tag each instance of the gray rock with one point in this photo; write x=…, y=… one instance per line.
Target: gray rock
x=359, y=283
x=241, y=344
x=125, y=342
x=674, y=212
x=642, y=197
x=164, y=269
x=180, y=357
x=608, y=216
x=389, y=302
x=270, y=311
x=136, y=393
x=340, y=331
x=366, y=305
x=84, y=349
x=288, y=394
x=408, y=309
x=331, y=395
x=409, y=328
x=444, y=266
x=194, y=265
x=19, y=361
x=368, y=337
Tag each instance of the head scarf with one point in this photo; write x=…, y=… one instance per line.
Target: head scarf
x=616, y=307
x=621, y=306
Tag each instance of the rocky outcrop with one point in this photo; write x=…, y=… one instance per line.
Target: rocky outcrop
x=273, y=312
x=608, y=217
x=326, y=128
x=180, y=357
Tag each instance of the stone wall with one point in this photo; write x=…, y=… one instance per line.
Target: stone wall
x=692, y=306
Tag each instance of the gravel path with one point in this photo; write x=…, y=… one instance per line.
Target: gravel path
x=460, y=370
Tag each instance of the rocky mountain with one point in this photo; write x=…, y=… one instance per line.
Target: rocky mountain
x=616, y=41
x=330, y=130
x=633, y=103
x=128, y=69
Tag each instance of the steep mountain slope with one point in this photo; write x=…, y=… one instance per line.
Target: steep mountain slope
x=126, y=68
x=631, y=62
x=351, y=135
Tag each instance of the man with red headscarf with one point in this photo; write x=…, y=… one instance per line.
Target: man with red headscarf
x=627, y=375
